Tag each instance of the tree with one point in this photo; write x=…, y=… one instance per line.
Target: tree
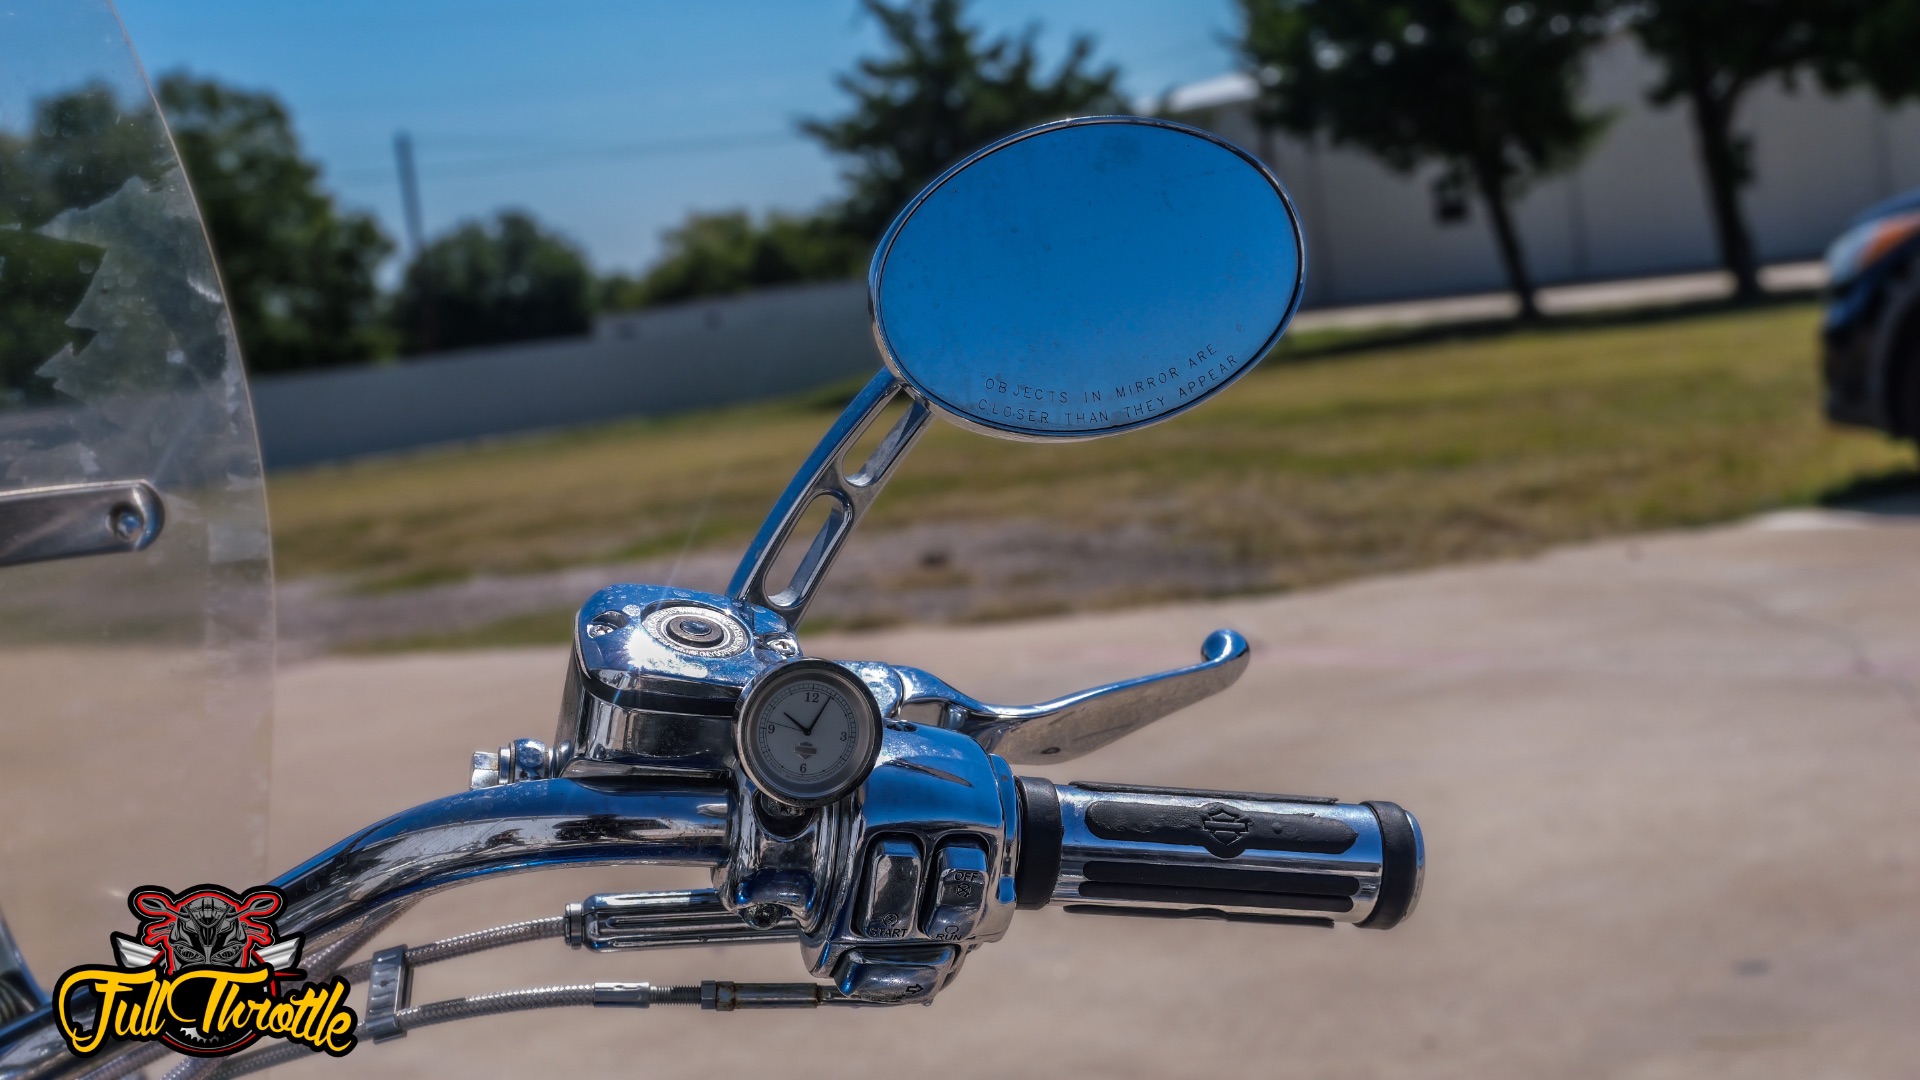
x=940, y=92
x=79, y=148
x=1877, y=49
x=728, y=252
x=299, y=272
x=1713, y=51
x=1486, y=87
x=485, y=284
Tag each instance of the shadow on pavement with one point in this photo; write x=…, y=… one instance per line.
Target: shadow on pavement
x=1894, y=493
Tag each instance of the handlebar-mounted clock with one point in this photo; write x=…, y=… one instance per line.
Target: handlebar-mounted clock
x=809, y=732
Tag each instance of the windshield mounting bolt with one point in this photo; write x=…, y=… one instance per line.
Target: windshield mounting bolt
x=126, y=522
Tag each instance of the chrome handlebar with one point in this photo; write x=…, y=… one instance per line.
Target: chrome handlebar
x=462, y=838
x=886, y=892
x=889, y=890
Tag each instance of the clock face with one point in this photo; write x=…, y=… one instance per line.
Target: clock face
x=809, y=734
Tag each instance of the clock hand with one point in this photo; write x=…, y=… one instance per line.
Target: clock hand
x=796, y=723
x=818, y=713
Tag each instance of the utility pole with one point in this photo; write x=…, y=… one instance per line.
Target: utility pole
x=409, y=190
x=426, y=327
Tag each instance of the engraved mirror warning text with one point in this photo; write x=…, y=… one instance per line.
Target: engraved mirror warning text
x=1152, y=392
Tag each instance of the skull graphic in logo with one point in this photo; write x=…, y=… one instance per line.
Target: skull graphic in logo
x=206, y=927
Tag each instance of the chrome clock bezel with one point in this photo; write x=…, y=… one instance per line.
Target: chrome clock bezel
x=776, y=678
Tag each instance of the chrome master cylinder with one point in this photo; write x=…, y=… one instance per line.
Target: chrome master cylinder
x=655, y=679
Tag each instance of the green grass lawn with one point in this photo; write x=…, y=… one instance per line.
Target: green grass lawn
x=1336, y=458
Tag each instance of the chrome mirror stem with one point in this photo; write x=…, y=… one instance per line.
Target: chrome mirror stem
x=823, y=475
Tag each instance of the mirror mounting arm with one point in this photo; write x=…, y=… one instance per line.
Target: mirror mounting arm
x=823, y=475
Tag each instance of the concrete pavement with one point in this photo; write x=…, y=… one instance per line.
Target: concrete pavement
x=1667, y=784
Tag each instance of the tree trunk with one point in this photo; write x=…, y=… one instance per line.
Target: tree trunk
x=1493, y=192
x=1713, y=127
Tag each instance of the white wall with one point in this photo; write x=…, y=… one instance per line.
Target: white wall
x=1636, y=204
x=690, y=356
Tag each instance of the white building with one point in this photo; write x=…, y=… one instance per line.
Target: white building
x=1635, y=206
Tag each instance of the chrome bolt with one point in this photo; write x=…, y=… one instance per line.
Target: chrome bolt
x=606, y=623
x=525, y=759
x=126, y=522
x=762, y=916
x=486, y=770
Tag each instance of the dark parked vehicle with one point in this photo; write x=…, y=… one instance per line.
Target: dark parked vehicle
x=1871, y=337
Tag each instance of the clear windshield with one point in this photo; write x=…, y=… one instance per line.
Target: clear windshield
x=135, y=688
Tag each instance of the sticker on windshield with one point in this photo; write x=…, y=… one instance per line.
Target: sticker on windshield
x=206, y=973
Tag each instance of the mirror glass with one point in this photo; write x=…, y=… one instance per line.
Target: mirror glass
x=1087, y=277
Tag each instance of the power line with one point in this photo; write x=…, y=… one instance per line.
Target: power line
x=534, y=161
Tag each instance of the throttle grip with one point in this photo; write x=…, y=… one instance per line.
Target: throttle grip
x=1110, y=849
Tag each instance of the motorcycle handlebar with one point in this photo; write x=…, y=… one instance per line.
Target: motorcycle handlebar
x=1174, y=853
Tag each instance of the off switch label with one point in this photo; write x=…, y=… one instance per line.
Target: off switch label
x=960, y=891
x=962, y=886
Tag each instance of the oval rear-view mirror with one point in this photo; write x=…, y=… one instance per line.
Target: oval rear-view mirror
x=1087, y=277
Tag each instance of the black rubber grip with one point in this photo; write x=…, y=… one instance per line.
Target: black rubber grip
x=1177, y=894
x=1199, y=913
x=1038, y=869
x=1399, y=866
x=1187, y=876
x=1207, y=886
x=1224, y=831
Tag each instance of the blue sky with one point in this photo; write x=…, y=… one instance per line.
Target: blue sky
x=608, y=120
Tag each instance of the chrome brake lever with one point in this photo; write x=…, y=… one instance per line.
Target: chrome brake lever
x=1078, y=723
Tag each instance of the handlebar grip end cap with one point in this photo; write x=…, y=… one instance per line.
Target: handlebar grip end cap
x=1041, y=833
x=1402, y=865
